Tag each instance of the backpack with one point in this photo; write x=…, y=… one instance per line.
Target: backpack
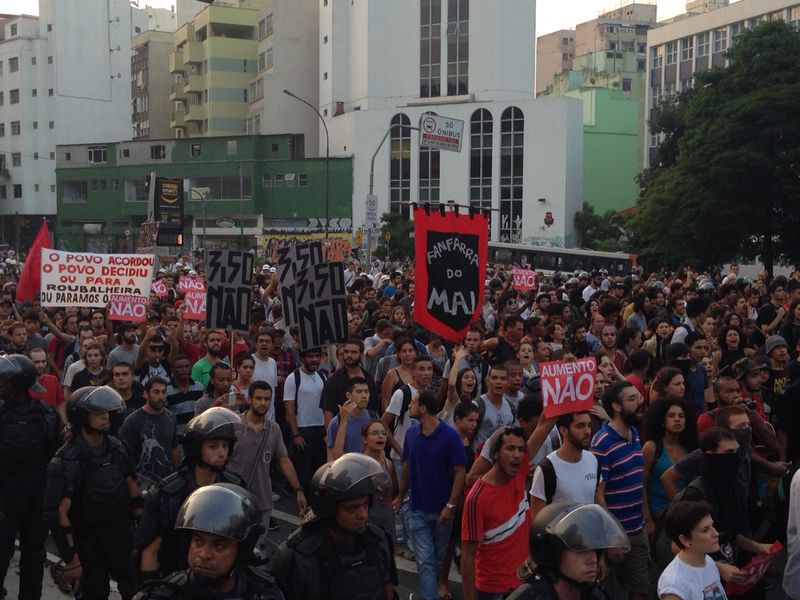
x=481, y=403
x=298, y=379
x=551, y=480
x=404, y=406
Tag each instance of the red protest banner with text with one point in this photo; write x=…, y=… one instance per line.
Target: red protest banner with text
x=568, y=386
x=524, y=279
x=195, y=303
x=451, y=253
x=124, y=307
x=187, y=283
x=159, y=288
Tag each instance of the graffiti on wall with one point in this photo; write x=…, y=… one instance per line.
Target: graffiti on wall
x=340, y=243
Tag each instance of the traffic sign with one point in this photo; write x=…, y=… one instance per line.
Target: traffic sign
x=371, y=214
x=440, y=133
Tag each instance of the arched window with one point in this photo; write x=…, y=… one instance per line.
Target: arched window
x=430, y=49
x=481, y=128
x=400, y=166
x=512, y=137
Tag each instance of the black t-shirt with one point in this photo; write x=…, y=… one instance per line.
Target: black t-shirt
x=766, y=314
x=85, y=378
x=333, y=394
x=503, y=352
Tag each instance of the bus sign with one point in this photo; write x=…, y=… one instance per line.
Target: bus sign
x=440, y=133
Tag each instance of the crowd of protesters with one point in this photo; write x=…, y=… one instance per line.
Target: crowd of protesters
x=697, y=393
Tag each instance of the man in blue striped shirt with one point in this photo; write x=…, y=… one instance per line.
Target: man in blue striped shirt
x=617, y=448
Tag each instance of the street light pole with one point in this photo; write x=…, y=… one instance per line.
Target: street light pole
x=327, y=159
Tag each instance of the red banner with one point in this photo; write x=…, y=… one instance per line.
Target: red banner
x=31, y=276
x=195, y=303
x=451, y=253
x=124, y=307
x=159, y=288
x=568, y=386
x=524, y=279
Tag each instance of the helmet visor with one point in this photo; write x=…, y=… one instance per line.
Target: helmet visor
x=9, y=367
x=589, y=527
x=214, y=419
x=98, y=398
x=220, y=509
x=350, y=469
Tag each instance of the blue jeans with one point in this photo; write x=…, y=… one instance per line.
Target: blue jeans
x=429, y=542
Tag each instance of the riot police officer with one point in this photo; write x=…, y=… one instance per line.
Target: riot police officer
x=339, y=554
x=566, y=541
x=224, y=523
x=29, y=436
x=92, y=497
x=207, y=445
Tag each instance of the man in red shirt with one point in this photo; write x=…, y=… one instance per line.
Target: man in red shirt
x=53, y=394
x=496, y=521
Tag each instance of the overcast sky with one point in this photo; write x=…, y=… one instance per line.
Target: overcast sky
x=552, y=14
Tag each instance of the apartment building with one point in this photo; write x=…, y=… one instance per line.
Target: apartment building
x=150, y=81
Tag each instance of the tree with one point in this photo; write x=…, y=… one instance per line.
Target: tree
x=598, y=232
x=395, y=237
x=726, y=184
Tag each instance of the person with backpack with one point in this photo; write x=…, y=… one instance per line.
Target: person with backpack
x=344, y=430
x=695, y=314
x=396, y=417
x=570, y=473
x=301, y=394
x=494, y=411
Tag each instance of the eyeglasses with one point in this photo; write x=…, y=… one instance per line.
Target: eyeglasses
x=376, y=432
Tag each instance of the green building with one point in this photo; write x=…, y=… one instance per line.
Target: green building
x=612, y=88
x=261, y=185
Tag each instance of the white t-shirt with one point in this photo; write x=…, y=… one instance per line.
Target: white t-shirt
x=73, y=370
x=307, y=409
x=791, y=575
x=691, y=583
x=394, y=408
x=575, y=482
x=267, y=370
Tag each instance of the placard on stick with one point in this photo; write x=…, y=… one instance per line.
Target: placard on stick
x=524, y=279
x=292, y=259
x=195, y=306
x=124, y=307
x=229, y=285
x=568, y=386
x=321, y=304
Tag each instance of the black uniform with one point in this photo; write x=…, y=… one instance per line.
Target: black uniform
x=161, y=508
x=251, y=584
x=311, y=567
x=96, y=480
x=29, y=436
x=537, y=588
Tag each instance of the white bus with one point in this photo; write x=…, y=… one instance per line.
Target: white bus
x=550, y=260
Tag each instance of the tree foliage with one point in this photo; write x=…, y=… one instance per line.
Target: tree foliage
x=395, y=237
x=598, y=232
x=726, y=182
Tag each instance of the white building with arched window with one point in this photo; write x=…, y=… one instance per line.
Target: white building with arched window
x=390, y=62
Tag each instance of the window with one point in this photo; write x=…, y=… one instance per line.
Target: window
x=35, y=156
x=13, y=97
x=669, y=90
x=720, y=40
x=17, y=190
x=3, y=193
x=429, y=175
x=13, y=29
x=269, y=24
x=794, y=17
x=35, y=187
x=512, y=134
x=74, y=192
x=50, y=92
x=325, y=39
x=34, y=92
x=257, y=125
x=302, y=179
x=68, y=156
x=657, y=57
x=672, y=52
x=49, y=60
x=16, y=159
x=269, y=59
x=687, y=48
x=15, y=128
x=457, y=47
x=430, y=49
x=400, y=165
x=195, y=150
x=736, y=30
x=51, y=124
x=52, y=156
x=2, y=98
x=98, y=154
x=291, y=180
x=627, y=46
x=158, y=152
x=52, y=188
x=2, y=130
x=232, y=147
x=137, y=29
x=266, y=181
x=686, y=84
x=702, y=44
x=481, y=128
x=125, y=153
x=49, y=27
x=99, y=185
x=33, y=60
x=115, y=185
x=13, y=64
x=262, y=61
x=325, y=76
x=279, y=179
x=641, y=65
x=36, y=124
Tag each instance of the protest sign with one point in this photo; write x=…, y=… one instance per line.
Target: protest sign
x=188, y=283
x=524, y=279
x=451, y=253
x=754, y=571
x=159, y=288
x=125, y=307
x=86, y=279
x=290, y=260
x=229, y=285
x=568, y=386
x=195, y=306
x=319, y=299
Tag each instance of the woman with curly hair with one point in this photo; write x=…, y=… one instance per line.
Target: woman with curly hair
x=669, y=381
x=671, y=433
x=731, y=348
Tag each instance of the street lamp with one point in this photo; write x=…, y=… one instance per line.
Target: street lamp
x=327, y=157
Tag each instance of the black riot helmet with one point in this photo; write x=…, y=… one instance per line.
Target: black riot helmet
x=570, y=526
x=19, y=373
x=350, y=476
x=90, y=399
x=216, y=423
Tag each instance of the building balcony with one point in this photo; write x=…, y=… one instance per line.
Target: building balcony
x=194, y=53
x=176, y=62
x=176, y=91
x=177, y=118
x=197, y=112
x=194, y=84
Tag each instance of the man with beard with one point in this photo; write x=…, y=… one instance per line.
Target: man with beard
x=569, y=474
x=151, y=436
x=258, y=443
x=334, y=394
x=608, y=342
x=619, y=453
x=127, y=350
x=201, y=371
x=496, y=521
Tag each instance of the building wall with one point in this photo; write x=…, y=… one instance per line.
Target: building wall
x=554, y=54
x=150, y=82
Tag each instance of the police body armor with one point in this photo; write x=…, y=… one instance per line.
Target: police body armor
x=251, y=584
x=328, y=573
x=104, y=496
x=24, y=443
x=537, y=588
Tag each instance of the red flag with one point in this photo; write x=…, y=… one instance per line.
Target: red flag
x=31, y=277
